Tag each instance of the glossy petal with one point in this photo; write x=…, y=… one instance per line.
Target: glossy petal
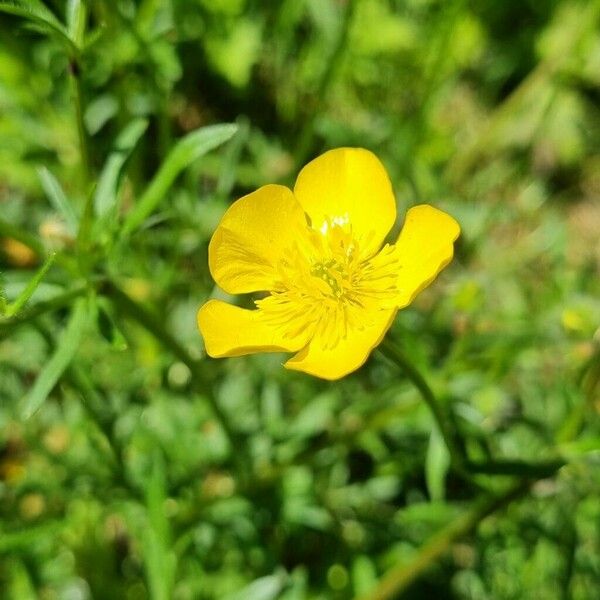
x=251, y=238
x=347, y=355
x=233, y=331
x=424, y=247
x=348, y=186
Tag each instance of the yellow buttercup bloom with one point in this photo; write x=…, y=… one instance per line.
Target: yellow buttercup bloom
x=333, y=290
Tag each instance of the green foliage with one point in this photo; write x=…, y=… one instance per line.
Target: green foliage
x=132, y=466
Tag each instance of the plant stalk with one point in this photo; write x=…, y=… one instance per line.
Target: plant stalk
x=397, y=579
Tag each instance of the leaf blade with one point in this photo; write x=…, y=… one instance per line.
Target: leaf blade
x=64, y=353
x=15, y=307
x=105, y=197
x=187, y=150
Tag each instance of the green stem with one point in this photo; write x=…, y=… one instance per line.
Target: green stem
x=397, y=579
x=41, y=308
x=200, y=382
x=451, y=438
x=74, y=69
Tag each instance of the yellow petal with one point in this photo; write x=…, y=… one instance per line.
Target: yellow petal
x=348, y=185
x=252, y=237
x=348, y=354
x=424, y=247
x=233, y=331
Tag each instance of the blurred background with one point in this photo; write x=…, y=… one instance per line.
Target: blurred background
x=132, y=466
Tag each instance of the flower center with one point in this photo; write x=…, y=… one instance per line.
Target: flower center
x=332, y=273
x=327, y=284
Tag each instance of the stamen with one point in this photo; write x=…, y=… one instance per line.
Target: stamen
x=325, y=284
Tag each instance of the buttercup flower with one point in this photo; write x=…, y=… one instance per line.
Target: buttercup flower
x=333, y=290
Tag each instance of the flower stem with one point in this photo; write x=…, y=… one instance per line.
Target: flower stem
x=451, y=438
x=40, y=308
x=400, y=577
x=74, y=69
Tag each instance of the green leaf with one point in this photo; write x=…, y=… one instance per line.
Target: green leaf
x=76, y=19
x=38, y=15
x=582, y=447
x=3, y=300
x=67, y=346
x=15, y=541
x=263, y=588
x=186, y=151
x=105, y=199
x=14, y=308
x=364, y=575
x=58, y=199
x=159, y=559
x=437, y=463
x=21, y=585
x=231, y=158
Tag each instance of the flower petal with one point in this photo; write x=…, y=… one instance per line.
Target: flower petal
x=229, y=330
x=251, y=238
x=348, y=185
x=347, y=355
x=424, y=247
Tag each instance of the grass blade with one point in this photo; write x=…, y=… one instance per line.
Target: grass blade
x=76, y=18
x=158, y=556
x=437, y=464
x=105, y=199
x=186, y=151
x=40, y=16
x=14, y=308
x=66, y=348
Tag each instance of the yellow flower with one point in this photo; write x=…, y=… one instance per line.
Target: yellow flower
x=333, y=289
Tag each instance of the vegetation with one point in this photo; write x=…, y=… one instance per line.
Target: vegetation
x=460, y=462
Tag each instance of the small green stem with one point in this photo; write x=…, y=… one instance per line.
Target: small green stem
x=74, y=69
x=451, y=438
x=41, y=308
x=400, y=577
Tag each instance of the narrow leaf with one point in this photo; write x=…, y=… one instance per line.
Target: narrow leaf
x=3, y=300
x=58, y=199
x=231, y=158
x=67, y=346
x=264, y=588
x=158, y=557
x=39, y=15
x=76, y=18
x=186, y=151
x=437, y=463
x=12, y=309
x=106, y=193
